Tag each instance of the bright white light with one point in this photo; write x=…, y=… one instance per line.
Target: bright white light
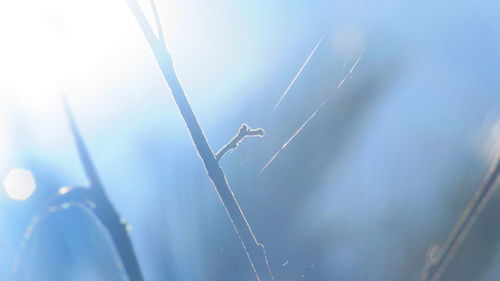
x=63, y=190
x=19, y=184
x=62, y=44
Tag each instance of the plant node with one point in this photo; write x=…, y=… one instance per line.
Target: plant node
x=243, y=132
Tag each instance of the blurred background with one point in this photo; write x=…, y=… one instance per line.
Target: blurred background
x=378, y=176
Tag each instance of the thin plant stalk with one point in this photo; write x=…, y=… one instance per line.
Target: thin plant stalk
x=253, y=249
x=439, y=257
x=104, y=210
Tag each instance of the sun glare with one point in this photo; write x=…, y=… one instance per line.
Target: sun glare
x=53, y=45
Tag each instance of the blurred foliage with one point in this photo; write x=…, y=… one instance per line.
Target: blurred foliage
x=376, y=178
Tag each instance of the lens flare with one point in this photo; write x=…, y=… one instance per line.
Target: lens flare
x=19, y=184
